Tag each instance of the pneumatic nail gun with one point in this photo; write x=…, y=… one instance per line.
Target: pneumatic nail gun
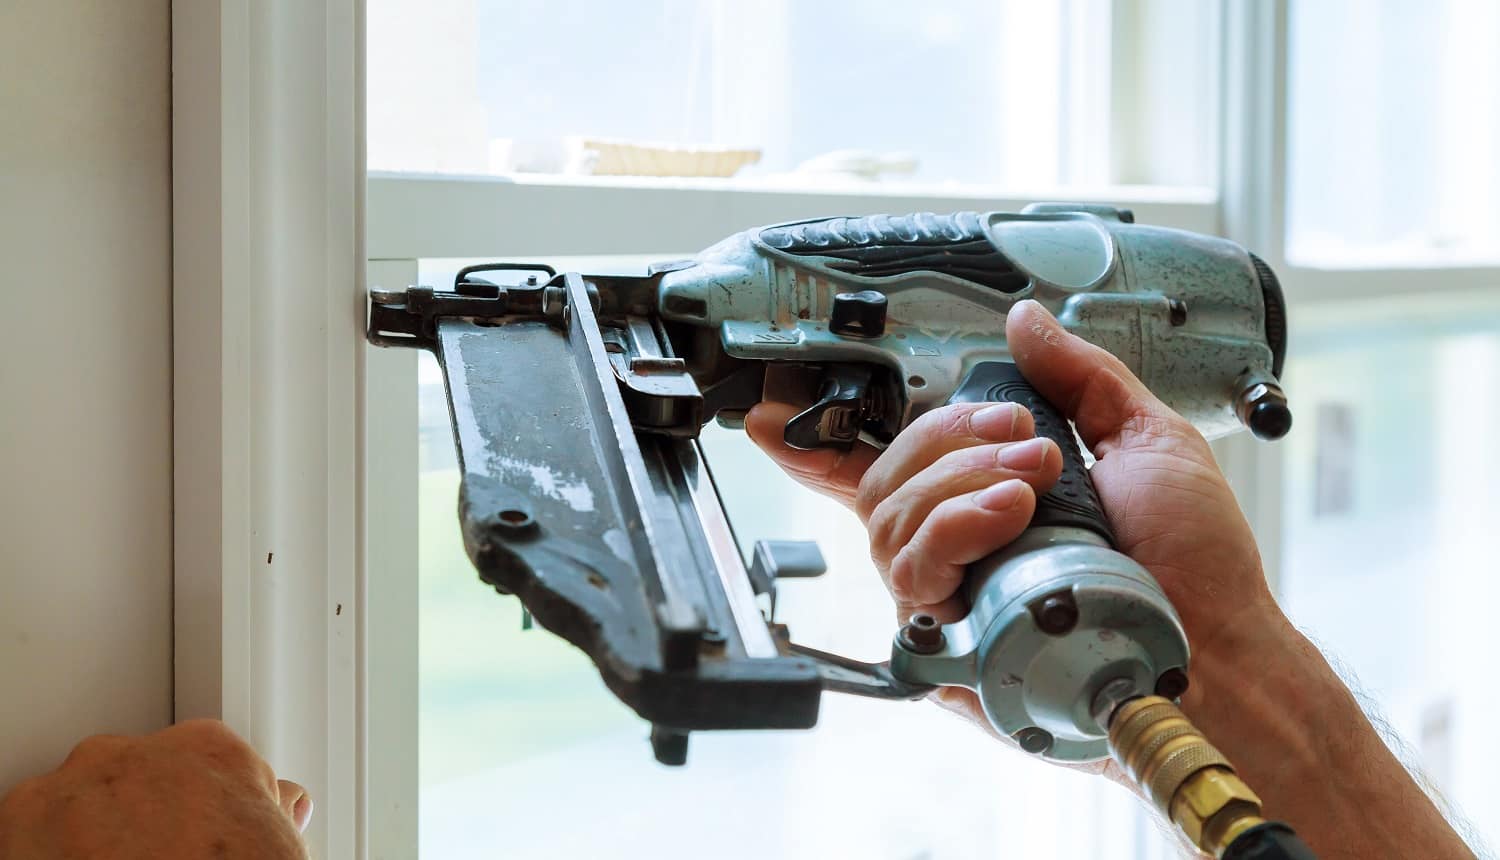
x=576, y=402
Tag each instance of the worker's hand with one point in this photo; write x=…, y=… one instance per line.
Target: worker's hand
x=194, y=790
x=961, y=482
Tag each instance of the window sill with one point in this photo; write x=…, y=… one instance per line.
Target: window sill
x=416, y=216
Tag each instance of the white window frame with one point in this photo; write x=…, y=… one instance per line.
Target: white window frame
x=295, y=443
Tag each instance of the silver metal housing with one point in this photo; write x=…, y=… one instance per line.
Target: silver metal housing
x=1126, y=630
x=1109, y=281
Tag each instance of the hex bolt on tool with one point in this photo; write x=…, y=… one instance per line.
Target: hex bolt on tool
x=577, y=401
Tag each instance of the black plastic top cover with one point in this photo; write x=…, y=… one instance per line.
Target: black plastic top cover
x=879, y=246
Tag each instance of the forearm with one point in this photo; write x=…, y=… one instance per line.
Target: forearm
x=1265, y=696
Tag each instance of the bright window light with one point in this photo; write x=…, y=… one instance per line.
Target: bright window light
x=1391, y=494
x=1394, y=131
x=1015, y=94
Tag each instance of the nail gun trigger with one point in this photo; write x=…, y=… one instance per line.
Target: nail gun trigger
x=835, y=420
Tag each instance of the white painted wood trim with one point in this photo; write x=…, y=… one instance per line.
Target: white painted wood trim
x=391, y=600
x=417, y=217
x=268, y=171
x=1253, y=168
x=1253, y=193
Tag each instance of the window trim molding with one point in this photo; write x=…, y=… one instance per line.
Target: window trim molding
x=1252, y=191
x=268, y=374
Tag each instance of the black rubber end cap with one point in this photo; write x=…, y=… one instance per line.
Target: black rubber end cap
x=860, y=314
x=1270, y=420
x=1270, y=841
x=669, y=745
x=1275, y=305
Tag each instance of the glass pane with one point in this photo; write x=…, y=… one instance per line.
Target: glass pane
x=1392, y=496
x=1024, y=94
x=525, y=754
x=1394, y=130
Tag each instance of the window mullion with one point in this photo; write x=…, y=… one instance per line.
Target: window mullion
x=1252, y=182
x=1253, y=170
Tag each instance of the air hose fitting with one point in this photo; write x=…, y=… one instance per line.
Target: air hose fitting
x=1193, y=784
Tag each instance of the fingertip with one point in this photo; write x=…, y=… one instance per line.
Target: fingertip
x=1004, y=509
x=1052, y=463
x=1000, y=422
x=764, y=424
x=1030, y=326
x=302, y=812
x=295, y=802
x=1030, y=310
x=1000, y=497
x=1027, y=307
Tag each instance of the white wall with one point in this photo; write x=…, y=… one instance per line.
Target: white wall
x=85, y=375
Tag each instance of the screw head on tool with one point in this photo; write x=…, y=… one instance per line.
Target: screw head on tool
x=514, y=522
x=1172, y=683
x=1177, y=312
x=1055, y=614
x=1033, y=740
x=921, y=634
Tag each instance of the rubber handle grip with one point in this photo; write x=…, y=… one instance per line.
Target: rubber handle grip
x=1072, y=502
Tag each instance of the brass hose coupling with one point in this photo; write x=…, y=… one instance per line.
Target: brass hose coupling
x=1190, y=781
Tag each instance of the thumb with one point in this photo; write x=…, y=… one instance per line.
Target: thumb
x=295, y=802
x=1105, y=401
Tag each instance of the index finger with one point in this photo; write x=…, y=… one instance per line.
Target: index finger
x=833, y=471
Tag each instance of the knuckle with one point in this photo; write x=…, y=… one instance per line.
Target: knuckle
x=969, y=461
x=951, y=420
x=943, y=422
x=1157, y=428
x=903, y=572
x=868, y=495
x=94, y=749
x=22, y=799
x=875, y=486
x=1052, y=457
x=881, y=527
x=211, y=734
x=216, y=742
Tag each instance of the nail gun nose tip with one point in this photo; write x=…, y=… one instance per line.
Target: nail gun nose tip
x=1270, y=420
